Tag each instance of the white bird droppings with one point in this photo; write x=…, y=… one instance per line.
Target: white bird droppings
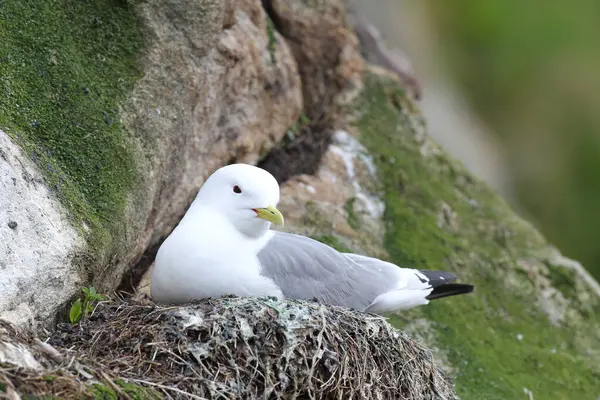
x=349, y=149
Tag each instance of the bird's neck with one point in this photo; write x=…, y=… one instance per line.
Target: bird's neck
x=253, y=229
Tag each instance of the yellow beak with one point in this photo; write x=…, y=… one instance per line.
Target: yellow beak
x=270, y=214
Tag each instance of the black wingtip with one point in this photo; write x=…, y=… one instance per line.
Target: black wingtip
x=450, y=289
x=438, y=278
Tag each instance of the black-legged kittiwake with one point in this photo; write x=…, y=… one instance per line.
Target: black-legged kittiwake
x=224, y=246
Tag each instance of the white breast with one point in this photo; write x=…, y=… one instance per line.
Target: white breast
x=204, y=257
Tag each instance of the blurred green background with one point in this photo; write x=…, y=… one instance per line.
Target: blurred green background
x=531, y=71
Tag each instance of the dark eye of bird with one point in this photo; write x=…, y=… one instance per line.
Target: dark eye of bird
x=237, y=189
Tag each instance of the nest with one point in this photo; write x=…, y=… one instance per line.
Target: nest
x=232, y=348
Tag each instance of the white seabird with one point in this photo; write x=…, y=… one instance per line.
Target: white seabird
x=224, y=246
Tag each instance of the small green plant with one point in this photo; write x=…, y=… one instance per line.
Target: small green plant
x=272, y=39
x=304, y=120
x=296, y=127
x=83, y=308
x=353, y=219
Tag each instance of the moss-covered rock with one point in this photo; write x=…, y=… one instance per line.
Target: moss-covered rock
x=532, y=324
x=66, y=68
x=125, y=107
x=533, y=321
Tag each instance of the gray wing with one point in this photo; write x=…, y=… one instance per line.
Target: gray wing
x=306, y=269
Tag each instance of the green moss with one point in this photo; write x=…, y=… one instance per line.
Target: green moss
x=102, y=392
x=352, y=218
x=563, y=279
x=66, y=66
x=135, y=392
x=332, y=241
x=47, y=387
x=478, y=332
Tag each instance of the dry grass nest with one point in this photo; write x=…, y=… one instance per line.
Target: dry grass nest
x=227, y=348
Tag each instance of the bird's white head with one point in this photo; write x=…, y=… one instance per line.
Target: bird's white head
x=246, y=195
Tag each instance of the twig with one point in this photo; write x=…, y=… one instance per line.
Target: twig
x=114, y=385
x=319, y=353
x=49, y=350
x=12, y=394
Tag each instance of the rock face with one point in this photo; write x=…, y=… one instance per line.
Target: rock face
x=217, y=85
x=325, y=48
x=37, y=241
x=339, y=199
x=330, y=67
